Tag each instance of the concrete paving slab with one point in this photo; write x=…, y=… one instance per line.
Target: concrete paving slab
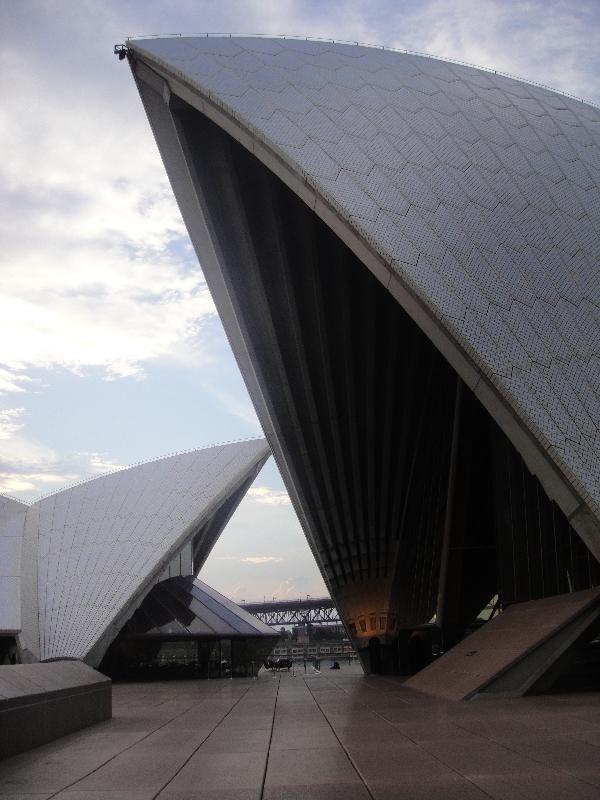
x=303, y=737
x=80, y=794
x=370, y=739
x=489, y=759
x=201, y=793
x=134, y=770
x=220, y=771
x=325, y=765
x=426, y=787
x=426, y=732
x=236, y=741
x=537, y=786
x=394, y=765
x=20, y=796
x=346, y=791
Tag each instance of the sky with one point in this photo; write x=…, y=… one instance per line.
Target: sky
x=111, y=348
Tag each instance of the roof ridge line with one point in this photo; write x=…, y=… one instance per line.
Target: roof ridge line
x=387, y=48
x=132, y=466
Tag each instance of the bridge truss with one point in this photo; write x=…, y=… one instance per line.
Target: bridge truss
x=318, y=611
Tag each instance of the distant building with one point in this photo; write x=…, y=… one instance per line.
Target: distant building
x=405, y=255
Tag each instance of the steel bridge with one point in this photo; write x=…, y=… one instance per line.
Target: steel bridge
x=320, y=611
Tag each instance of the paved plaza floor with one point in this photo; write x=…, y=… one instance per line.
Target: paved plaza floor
x=329, y=736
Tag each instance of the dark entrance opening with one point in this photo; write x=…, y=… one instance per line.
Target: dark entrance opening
x=375, y=656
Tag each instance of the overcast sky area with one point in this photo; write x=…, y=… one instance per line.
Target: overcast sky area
x=112, y=351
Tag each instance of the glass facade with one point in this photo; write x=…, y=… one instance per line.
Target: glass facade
x=186, y=629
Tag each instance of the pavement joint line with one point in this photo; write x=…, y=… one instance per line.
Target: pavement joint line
x=346, y=753
x=195, y=750
x=124, y=750
x=264, y=778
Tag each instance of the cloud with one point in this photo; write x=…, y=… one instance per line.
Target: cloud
x=554, y=43
x=9, y=421
x=260, y=560
x=12, y=381
x=98, y=463
x=294, y=589
x=30, y=470
x=32, y=484
x=272, y=497
x=250, y=559
x=237, y=403
x=97, y=269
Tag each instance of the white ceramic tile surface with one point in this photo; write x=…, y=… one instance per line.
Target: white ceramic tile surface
x=427, y=159
x=92, y=549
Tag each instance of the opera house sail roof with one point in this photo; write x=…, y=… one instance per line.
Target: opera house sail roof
x=405, y=254
x=91, y=553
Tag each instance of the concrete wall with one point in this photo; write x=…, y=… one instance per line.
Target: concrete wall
x=40, y=702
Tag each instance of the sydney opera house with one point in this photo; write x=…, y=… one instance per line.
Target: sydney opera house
x=104, y=572
x=405, y=254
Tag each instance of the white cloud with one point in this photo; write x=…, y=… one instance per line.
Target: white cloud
x=32, y=484
x=99, y=463
x=12, y=381
x=29, y=469
x=9, y=421
x=250, y=559
x=552, y=43
x=272, y=497
x=260, y=560
x=96, y=266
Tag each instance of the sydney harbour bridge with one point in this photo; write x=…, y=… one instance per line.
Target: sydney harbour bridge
x=320, y=611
